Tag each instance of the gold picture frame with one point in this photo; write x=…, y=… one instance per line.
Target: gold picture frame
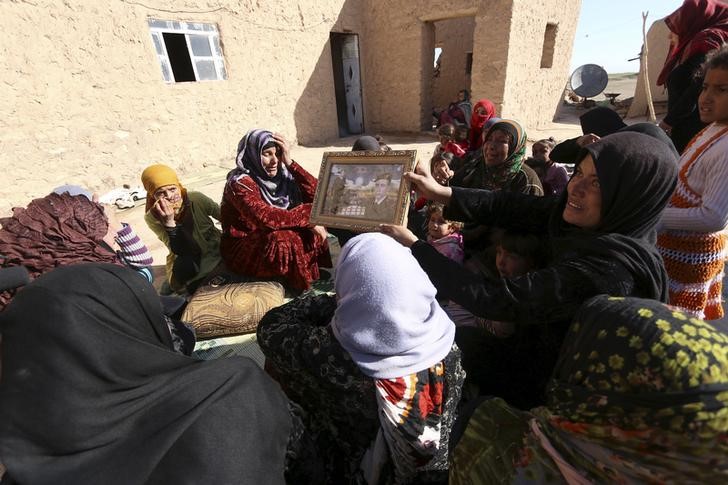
x=360, y=190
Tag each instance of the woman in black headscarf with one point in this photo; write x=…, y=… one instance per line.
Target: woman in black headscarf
x=595, y=124
x=601, y=235
x=92, y=392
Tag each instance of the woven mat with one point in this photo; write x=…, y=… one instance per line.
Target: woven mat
x=238, y=345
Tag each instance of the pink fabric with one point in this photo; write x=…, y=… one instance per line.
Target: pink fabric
x=450, y=246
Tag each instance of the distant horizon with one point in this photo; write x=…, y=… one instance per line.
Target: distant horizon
x=608, y=40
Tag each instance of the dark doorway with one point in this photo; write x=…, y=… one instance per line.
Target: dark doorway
x=347, y=83
x=453, y=38
x=179, y=57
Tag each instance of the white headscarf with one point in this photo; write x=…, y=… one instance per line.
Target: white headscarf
x=387, y=316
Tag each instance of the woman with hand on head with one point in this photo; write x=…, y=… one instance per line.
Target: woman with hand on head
x=601, y=234
x=181, y=220
x=265, y=211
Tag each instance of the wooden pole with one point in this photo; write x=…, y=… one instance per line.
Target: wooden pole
x=645, y=71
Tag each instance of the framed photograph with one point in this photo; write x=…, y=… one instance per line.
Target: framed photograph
x=360, y=190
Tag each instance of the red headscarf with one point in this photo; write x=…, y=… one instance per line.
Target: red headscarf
x=701, y=26
x=477, y=121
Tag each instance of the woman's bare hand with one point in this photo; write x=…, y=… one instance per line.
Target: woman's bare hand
x=285, y=149
x=426, y=185
x=442, y=173
x=320, y=231
x=399, y=233
x=587, y=139
x=163, y=211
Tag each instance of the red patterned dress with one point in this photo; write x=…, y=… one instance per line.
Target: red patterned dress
x=264, y=241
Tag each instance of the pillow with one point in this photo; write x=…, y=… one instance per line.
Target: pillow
x=232, y=308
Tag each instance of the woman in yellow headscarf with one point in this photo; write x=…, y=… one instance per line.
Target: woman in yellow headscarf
x=181, y=220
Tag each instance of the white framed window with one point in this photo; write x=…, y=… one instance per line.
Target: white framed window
x=188, y=52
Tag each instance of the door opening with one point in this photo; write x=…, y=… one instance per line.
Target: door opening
x=347, y=83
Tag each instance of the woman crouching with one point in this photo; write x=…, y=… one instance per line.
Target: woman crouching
x=375, y=367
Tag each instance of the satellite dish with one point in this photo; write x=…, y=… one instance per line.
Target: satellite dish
x=588, y=80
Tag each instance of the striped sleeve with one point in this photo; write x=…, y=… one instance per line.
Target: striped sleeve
x=133, y=250
x=712, y=214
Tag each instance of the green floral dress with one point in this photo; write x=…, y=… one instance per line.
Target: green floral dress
x=639, y=395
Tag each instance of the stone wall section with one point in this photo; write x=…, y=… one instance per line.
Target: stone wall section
x=84, y=100
x=532, y=93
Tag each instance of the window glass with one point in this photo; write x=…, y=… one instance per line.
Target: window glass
x=206, y=70
x=200, y=45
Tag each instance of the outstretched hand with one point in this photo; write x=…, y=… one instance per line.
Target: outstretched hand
x=399, y=233
x=426, y=184
x=442, y=173
x=587, y=139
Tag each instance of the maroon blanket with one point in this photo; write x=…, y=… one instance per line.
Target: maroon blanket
x=56, y=230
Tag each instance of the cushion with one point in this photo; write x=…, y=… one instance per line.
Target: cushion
x=218, y=310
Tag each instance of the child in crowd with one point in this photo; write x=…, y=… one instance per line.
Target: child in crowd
x=440, y=169
x=443, y=234
x=553, y=176
x=461, y=137
x=692, y=237
x=448, y=144
x=418, y=217
x=516, y=254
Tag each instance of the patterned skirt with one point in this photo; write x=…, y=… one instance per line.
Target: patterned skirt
x=694, y=262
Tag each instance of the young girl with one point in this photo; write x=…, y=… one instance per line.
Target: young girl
x=444, y=235
x=447, y=140
x=693, y=237
x=461, y=137
x=516, y=254
x=440, y=168
x=553, y=176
